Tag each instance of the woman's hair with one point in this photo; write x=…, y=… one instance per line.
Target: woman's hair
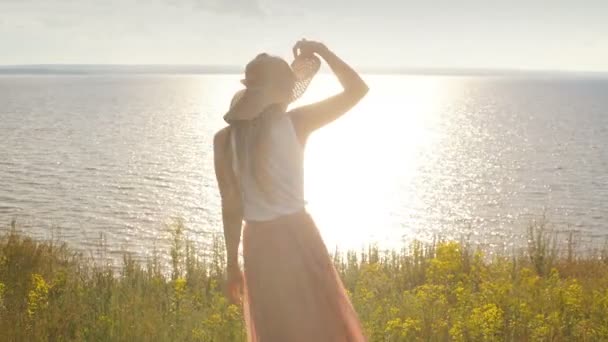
x=252, y=144
x=252, y=136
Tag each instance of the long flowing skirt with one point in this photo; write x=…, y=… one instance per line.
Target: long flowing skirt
x=292, y=290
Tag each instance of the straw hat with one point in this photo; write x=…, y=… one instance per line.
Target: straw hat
x=270, y=80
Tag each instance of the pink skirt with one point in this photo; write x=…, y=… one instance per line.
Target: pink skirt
x=292, y=290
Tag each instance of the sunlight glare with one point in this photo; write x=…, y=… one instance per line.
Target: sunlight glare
x=358, y=167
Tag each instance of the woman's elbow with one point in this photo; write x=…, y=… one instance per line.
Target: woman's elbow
x=359, y=91
x=364, y=89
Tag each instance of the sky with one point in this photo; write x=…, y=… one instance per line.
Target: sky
x=517, y=34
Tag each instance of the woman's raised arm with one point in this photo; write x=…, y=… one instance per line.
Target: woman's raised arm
x=308, y=118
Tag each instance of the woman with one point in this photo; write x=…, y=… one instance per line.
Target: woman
x=291, y=291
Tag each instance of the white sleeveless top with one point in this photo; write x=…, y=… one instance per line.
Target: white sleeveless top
x=285, y=169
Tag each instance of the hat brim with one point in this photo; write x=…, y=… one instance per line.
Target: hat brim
x=304, y=70
x=250, y=104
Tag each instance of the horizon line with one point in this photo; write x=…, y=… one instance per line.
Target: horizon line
x=85, y=68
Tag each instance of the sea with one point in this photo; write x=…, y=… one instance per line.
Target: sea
x=115, y=161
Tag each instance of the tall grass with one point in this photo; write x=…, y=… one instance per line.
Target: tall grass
x=444, y=291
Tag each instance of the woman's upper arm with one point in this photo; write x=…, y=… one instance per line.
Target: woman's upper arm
x=223, y=172
x=311, y=117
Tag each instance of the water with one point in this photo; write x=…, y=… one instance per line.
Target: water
x=123, y=156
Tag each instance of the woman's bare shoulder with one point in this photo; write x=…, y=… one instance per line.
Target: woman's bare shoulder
x=220, y=137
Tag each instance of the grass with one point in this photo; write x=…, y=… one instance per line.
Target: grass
x=445, y=291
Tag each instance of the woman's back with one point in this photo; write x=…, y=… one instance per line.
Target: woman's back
x=281, y=167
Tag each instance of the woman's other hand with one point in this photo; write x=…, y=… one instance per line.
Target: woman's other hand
x=234, y=285
x=306, y=48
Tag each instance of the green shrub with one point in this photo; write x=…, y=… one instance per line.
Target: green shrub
x=437, y=292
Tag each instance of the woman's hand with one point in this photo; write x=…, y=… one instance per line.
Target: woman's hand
x=234, y=285
x=307, y=48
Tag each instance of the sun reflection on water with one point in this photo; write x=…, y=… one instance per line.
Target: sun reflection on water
x=359, y=167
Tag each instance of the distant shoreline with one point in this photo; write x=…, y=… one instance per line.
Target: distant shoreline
x=110, y=69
